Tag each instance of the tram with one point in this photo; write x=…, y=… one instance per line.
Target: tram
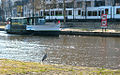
x=113, y=12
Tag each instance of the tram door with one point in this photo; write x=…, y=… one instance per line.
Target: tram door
x=100, y=12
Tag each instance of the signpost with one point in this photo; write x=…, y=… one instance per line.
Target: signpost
x=104, y=22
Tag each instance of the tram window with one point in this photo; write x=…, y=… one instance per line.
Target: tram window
x=41, y=13
x=99, y=14
x=118, y=11
x=94, y=13
x=89, y=13
x=79, y=12
x=60, y=13
x=56, y=13
x=106, y=11
x=83, y=13
x=70, y=12
x=102, y=12
x=52, y=13
x=47, y=13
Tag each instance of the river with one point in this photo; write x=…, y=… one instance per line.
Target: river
x=89, y=51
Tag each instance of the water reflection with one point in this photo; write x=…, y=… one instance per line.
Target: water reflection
x=70, y=50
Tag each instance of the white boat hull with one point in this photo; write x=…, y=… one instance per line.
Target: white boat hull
x=46, y=27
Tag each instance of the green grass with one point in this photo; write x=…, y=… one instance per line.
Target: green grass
x=17, y=67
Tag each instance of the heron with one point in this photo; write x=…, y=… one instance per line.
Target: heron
x=44, y=57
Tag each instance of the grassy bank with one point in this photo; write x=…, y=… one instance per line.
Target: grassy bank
x=12, y=67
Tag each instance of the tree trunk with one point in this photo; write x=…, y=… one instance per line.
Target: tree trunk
x=64, y=12
x=44, y=8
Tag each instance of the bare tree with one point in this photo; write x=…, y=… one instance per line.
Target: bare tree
x=85, y=12
x=73, y=1
x=54, y=4
x=43, y=5
x=36, y=6
x=7, y=7
x=64, y=11
x=40, y=5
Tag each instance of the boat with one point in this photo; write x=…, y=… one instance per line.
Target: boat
x=31, y=25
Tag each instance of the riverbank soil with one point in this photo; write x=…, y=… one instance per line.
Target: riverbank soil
x=12, y=67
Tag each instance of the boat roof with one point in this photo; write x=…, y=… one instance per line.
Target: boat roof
x=17, y=17
x=36, y=17
x=25, y=17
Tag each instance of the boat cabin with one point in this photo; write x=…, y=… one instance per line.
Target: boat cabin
x=31, y=25
x=35, y=21
x=26, y=21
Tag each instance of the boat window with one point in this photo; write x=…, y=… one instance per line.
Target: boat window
x=39, y=21
x=29, y=22
x=19, y=21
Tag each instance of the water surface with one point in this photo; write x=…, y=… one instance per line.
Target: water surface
x=71, y=50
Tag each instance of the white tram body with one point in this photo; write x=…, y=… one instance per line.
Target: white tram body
x=113, y=12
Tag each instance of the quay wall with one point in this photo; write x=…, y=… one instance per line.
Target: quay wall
x=92, y=25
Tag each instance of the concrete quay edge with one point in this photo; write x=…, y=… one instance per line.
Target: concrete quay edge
x=93, y=32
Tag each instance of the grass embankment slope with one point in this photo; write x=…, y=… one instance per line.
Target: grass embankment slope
x=12, y=67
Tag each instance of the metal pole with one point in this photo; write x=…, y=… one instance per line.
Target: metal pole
x=114, y=8
x=73, y=9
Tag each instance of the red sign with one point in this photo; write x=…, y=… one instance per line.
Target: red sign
x=104, y=21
